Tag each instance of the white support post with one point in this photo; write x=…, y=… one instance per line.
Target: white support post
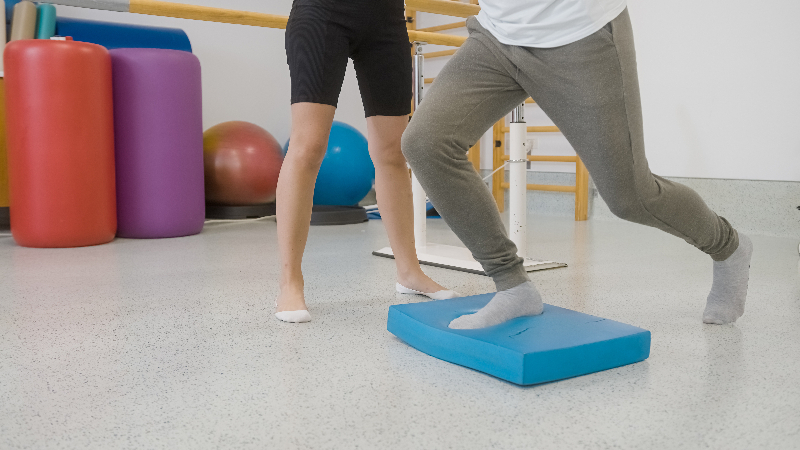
x=518, y=184
x=420, y=214
x=418, y=193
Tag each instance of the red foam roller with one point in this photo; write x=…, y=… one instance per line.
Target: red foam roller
x=60, y=143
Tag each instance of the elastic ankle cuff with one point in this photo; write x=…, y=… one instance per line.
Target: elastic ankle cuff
x=511, y=277
x=729, y=249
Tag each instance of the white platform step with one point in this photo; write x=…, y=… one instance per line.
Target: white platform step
x=459, y=258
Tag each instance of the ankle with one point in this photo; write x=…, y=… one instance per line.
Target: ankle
x=291, y=299
x=410, y=275
x=292, y=282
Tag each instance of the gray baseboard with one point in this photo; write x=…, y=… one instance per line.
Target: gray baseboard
x=767, y=208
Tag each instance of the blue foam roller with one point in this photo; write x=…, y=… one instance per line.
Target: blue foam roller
x=118, y=35
x=553, y=346
x=10, y=9
x=46, y=26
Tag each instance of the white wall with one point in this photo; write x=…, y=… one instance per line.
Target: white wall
x=720, y=85
x=719, y=82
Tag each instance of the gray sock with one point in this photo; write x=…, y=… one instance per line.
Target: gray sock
x=729, y=291
x=522, y=300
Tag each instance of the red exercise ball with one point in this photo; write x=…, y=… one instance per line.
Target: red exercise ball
x=242, y=163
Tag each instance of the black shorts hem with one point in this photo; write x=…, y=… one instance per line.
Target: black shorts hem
x=388, y=113
x=317, y=101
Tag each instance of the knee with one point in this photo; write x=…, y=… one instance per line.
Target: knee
x=416, y=141
x=307, y=153
x=388, y=156
x=636, y=201
x=626, y=210
x=632, y=205
x=395, y=161
x=424, y=147
x=307, y=158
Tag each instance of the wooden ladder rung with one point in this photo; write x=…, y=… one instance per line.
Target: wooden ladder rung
x=536, y=130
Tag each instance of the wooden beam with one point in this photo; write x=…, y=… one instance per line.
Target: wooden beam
x=537, y=130
x=207, y=13
x=436, y=38
x=445, y=27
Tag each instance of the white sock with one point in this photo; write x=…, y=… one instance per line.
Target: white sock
x=729, y=292
x=522, y=300
x=294, y=316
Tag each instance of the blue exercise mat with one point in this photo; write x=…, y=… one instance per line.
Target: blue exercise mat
x=375, y=214
x=553, y=346
x=119, y=35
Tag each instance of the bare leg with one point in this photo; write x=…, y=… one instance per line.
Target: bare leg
x=311, y=125
x=393, y=188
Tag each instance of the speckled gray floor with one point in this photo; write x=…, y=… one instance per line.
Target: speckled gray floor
x=172, y=344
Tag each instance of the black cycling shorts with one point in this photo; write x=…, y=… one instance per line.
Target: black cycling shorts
x=322, y=34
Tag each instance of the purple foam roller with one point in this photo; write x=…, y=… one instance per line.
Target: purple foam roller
x=158, y=119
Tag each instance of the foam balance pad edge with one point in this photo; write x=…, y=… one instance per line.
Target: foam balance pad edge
x=553, y=346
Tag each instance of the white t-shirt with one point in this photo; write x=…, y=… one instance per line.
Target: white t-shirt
x=546, y=23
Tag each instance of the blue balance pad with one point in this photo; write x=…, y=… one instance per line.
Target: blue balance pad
x=553, y=346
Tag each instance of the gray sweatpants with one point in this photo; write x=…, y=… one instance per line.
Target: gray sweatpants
x=590, y=90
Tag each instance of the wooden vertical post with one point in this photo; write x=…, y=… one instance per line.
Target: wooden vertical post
x=411, y=19
x=499, y=150
x=581, y=192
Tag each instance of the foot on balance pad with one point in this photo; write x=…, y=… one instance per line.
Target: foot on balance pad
x=555, y=345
